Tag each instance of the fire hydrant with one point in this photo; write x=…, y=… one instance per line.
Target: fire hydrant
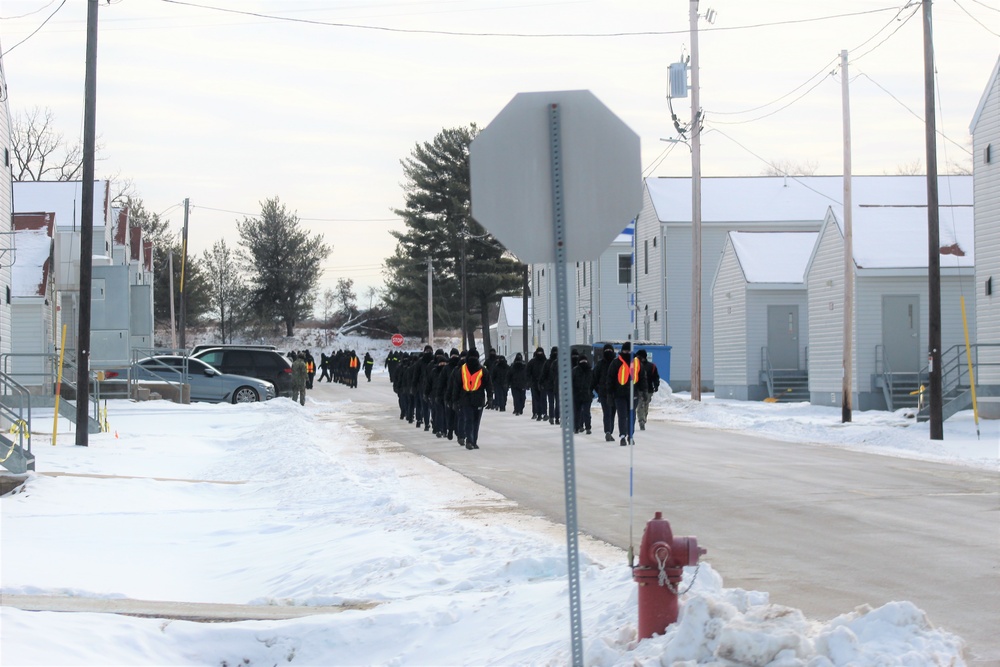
x=662, y=558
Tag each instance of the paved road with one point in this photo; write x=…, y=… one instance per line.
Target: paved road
x=821, y=529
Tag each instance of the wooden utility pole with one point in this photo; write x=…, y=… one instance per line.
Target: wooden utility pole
x=525, y=323
x=86, y=230
x=695, y=212
x=184, y=246
x=933, y=238
x=170, y=276
x=846, y=391
x=430, y=302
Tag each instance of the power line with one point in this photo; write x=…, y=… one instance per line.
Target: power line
x=254, y=215
x=36, y=29
x=969, y=14
x=459, y=33
x=22, y=16
x=914, y=113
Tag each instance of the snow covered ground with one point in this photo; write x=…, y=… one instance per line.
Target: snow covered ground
x=427, y=568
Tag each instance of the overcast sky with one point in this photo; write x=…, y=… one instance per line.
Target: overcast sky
x=229, y=109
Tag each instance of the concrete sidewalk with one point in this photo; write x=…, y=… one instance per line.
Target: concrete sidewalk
x=205, y=612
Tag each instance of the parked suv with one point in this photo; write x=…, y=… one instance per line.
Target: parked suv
x=254, y=361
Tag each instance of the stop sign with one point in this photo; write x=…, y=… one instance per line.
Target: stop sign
x=511, y=175
x=397, y=340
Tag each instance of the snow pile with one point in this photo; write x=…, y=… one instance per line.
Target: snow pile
x=270, y=504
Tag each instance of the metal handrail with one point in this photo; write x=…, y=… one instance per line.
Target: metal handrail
x=765, y=364
x=48, y=376
x=11, y=387
x=139, y=353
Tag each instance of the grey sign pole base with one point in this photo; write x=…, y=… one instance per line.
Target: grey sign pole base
x=565, y=388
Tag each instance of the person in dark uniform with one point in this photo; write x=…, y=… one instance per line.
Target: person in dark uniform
x=498, y=375
x=368, y=364
x=604, y=396
x=550, y=385
x=470, y=392
x=517, y=378
x=583, y=395
x=535, y=367
x=626, y=379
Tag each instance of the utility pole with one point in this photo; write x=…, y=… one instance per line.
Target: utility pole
x=846, y=391
x=430, y=302
x=465, y=323
x=184, y=252
x=524, y=312
x=933, y=238
x=695, y=211
x=170, y=276
x=86, y=230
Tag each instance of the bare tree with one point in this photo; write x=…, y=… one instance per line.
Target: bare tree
x=40, y=152
x=227, y=289
x=790, y=168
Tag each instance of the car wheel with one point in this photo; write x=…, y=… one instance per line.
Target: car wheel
x=245, y=395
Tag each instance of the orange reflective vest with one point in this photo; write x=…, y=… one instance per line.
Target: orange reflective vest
x=623, y=371
x=310, y=367
x=471, y=381
x=354, y=362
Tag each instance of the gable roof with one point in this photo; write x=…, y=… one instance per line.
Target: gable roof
x=33, y=243
x=513, y=308
x=62, y=198
x=770, y=199
x=773, y=257
x=986, y=94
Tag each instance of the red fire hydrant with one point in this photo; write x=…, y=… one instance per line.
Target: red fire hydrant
x=662, y=558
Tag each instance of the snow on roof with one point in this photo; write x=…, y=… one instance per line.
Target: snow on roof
x=794, y=198
x=513, y=307
x=64, y=198
x=33, y=246
x=773, y=257
x=896, y=237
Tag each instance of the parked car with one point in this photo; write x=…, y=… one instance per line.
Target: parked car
x=256, y=362
x=208, y=383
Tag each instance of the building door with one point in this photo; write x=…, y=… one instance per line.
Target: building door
x=783, y=337
x=901, y=333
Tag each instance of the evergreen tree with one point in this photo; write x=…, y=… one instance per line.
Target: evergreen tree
x=440, y=229
x=282, y=263
x=157, y=231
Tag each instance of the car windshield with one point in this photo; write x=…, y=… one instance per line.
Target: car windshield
x=176, y=364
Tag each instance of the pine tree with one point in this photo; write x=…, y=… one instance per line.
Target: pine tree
x=440, y=229
x=282, y=263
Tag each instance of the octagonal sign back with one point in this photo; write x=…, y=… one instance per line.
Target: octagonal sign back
x=511, y=175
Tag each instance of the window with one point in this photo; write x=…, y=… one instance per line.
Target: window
x=624, y=269
x=645, y=258
x=584, y=274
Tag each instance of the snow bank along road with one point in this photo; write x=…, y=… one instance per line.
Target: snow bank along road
x=820, y=528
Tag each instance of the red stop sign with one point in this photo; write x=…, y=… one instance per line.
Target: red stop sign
x=397, y=340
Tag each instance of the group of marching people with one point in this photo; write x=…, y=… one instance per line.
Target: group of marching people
x=343, y=366
x=448, y=393
x=443, y=393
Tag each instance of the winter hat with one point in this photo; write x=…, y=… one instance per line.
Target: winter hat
x=609, y=346
x=428, y=348
x=539, y=350
x=473, y=353
x=555, y=350
x=641, y=354
x=454, y=352
x=518, y=357
x=627, y=346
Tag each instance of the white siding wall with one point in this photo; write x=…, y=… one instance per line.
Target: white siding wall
x=649, y=280
x=986, y=184
x=28, y=324
x=757, y=302
x=825, y=285
x=6, y=224
x=730, y=305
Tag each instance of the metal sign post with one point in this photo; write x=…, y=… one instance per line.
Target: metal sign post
x=559, y=158
x=565, y=387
